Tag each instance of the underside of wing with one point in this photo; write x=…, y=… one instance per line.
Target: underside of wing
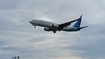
x=61, y=26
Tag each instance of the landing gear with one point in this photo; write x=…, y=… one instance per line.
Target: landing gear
x=34, y=26
x=53, y=28
x=59, y=30
x=54, y=31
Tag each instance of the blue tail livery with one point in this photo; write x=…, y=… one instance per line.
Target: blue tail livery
x=78, y=23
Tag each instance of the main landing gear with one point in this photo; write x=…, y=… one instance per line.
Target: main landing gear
x=54, y=31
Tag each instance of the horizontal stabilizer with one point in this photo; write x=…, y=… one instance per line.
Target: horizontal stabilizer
x=83, y=27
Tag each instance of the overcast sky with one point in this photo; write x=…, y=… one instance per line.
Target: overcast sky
x=19, y=38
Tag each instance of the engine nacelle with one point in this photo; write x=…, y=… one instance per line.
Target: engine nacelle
x=47, y=29
x=54, y=25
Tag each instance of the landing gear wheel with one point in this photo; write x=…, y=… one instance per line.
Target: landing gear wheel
x=54, y=31
x=34, y=26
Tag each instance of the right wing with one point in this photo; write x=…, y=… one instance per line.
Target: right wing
x=61, y=26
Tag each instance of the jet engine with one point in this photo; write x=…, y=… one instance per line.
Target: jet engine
x=47, y=29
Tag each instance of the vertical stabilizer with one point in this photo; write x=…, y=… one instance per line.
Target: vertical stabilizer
x=78, y=23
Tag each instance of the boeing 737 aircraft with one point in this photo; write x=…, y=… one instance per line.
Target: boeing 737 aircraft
x=50, y=26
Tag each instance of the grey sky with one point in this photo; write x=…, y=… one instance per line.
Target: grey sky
x=19, y=38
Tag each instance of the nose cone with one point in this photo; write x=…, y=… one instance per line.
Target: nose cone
x=30, y=22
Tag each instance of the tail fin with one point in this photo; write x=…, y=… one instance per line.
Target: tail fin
x=78, y=23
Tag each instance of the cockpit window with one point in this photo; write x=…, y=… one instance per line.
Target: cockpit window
x=33, y=20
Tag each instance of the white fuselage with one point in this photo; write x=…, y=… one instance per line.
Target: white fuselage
x=42, y=23
x=47, y=24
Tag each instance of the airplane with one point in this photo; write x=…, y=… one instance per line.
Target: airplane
x=50, y=26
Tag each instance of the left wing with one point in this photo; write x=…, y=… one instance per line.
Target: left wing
x=61, y=26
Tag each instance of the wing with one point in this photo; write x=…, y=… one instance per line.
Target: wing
x=61, y=26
